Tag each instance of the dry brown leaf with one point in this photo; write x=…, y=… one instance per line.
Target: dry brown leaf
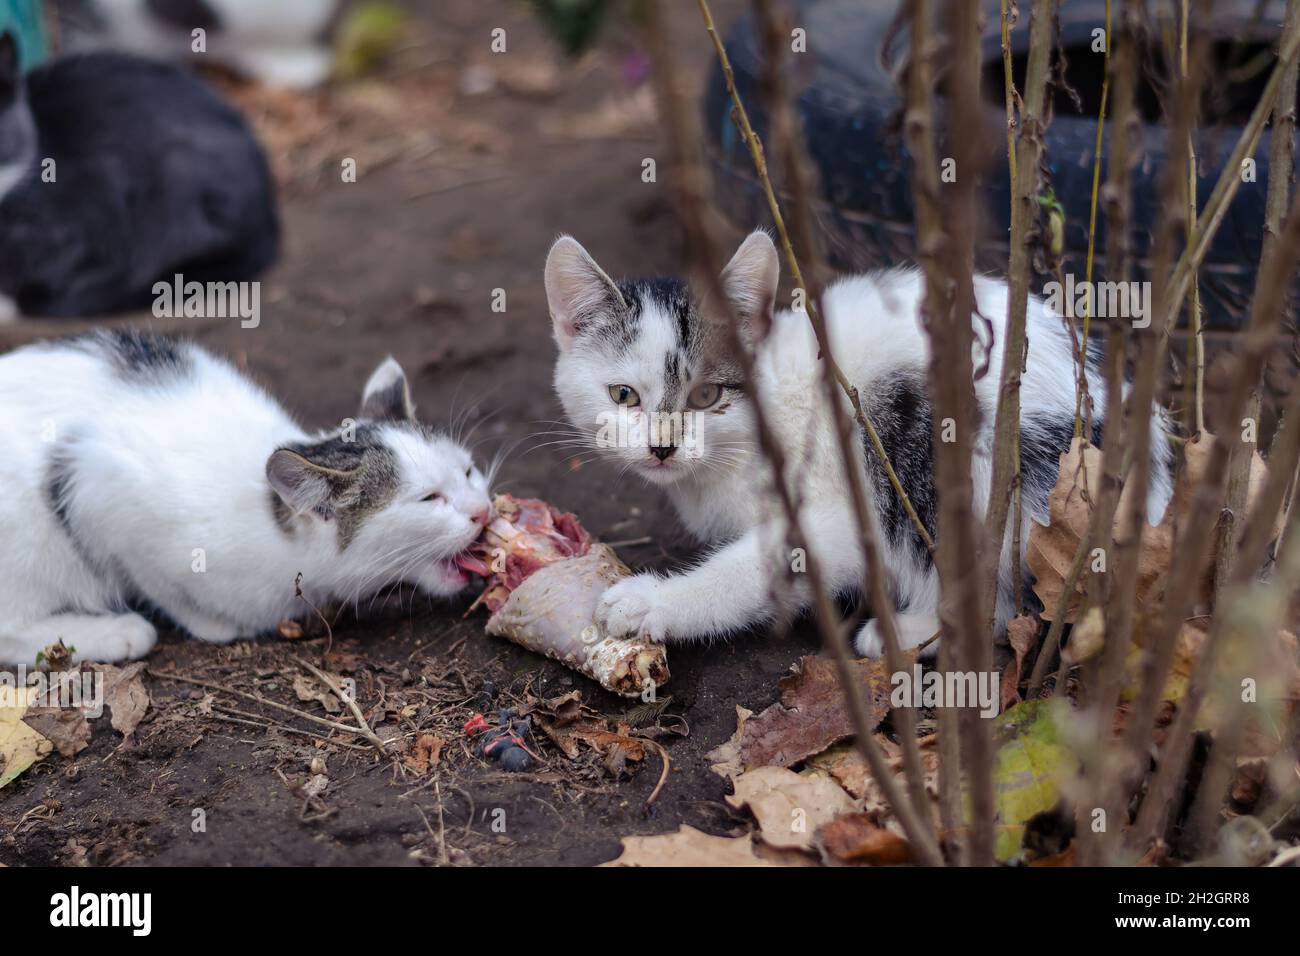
x=425, y=754
x=724, y=760
x=125, y=695
x=1064, y=858
x=812, y=714
x=1051, y=549
x=65, y=727
x=1022, y=634
x=855, y=838
x=308, y=688
x=850, y=771
x=688, y=847
x=789, y=806
x=846, y=766
x=568, y=737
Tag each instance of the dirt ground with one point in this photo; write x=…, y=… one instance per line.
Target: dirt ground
x=459, y=193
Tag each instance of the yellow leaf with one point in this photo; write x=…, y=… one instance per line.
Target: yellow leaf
x=20, y=746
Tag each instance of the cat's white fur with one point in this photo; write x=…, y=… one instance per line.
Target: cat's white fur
x=275, y=41
x=168, y=502
x=724, y=497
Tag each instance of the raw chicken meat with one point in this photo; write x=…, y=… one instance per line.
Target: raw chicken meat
x=544, y=578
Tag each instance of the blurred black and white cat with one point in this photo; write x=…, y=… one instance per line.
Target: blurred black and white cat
x=278, y=42
x=649, y=348
x=117, y=172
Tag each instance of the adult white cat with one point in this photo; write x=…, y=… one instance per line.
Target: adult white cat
x=645, y=346
x=141, y=472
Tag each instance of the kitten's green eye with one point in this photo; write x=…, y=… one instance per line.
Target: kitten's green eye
x=624, y=395
x=704, y=396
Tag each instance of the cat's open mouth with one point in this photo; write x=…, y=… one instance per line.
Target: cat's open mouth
x=471, y=563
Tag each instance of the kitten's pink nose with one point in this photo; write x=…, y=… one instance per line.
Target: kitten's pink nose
x=482, y=516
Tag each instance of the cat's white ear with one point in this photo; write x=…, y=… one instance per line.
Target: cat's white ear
x=302, y=486
x=387, y=397
x=578, y=291
x=750, y=280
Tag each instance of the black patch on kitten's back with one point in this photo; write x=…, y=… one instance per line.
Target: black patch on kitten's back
x=144, y=353
x=137, y=355
x=901, y=413
x=1042, y=443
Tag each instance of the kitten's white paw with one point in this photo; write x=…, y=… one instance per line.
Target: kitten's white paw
x=869, y=642
x=123, y=637
x=913, y=630
x=635, y=607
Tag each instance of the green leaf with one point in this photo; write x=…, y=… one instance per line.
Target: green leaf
x=1028, y=767
x=367, y=34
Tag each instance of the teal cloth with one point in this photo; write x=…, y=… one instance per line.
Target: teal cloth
x=22, y=20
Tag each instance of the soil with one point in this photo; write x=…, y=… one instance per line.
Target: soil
x=458, y=194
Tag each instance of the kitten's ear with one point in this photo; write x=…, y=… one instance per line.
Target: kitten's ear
x=9, y=70
x=302, y=485
x=386, y=396
x=578, y=291
x=750, y=280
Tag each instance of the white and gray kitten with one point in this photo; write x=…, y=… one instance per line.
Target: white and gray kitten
x=649, y=347
x=143, y=473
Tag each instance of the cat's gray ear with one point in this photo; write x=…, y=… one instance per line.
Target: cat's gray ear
x=387, y=397
x=750, y=280
x=303, y=485
x=578, y=292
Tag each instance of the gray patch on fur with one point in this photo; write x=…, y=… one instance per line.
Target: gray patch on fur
x=900, y=410
x=283, y=514
x=674, y=371
x=135, y=355
x=58, y=481
x=60, y=472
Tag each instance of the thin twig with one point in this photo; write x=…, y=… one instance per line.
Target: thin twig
x=875, y=583
x=1029, y=153
x=792, y=262
x=329, y=682
x=663, y=773
x=343, y=728
x=691, y=195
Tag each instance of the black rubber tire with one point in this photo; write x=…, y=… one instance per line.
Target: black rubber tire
x=850, y=109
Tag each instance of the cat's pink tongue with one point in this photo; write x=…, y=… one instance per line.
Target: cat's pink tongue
x=473, y=564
